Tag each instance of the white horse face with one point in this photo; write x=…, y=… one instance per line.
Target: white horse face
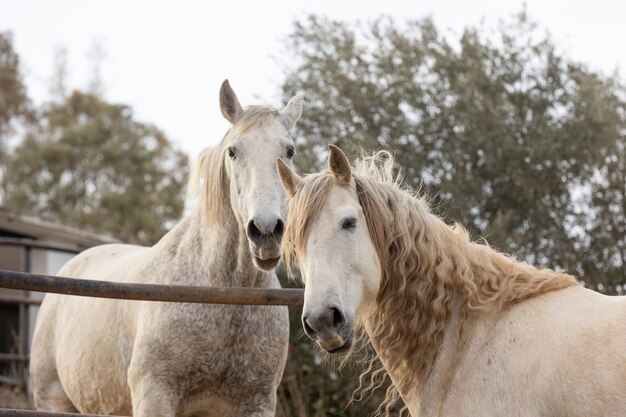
x=340, y=268
x=341, y=271
x=257, y=198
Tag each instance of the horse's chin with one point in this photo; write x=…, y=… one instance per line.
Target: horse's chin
x=265, y=257
x=341, y=349
x=265, y=264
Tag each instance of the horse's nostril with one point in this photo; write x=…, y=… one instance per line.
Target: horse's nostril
x=258, y=230
x=338, y=317
x=307, y=328
x=253, y=231
x=279, y=229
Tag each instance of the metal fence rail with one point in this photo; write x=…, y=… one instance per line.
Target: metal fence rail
x=150, y=292
x=13, y=357
x=4, y=412
x=16, y=299
x=146, y=292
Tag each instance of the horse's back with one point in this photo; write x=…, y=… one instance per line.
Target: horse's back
x=568, y=344
x=111, y=262
x=78, y=335
x=561, y=353
x=589, y=365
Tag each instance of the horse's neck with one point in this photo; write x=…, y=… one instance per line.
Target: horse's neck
x=482, y=281
x=425, y=402
x=211, y=251
x=436, y=385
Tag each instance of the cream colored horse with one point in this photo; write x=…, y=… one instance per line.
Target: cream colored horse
x=170, y=359
x=461, y=329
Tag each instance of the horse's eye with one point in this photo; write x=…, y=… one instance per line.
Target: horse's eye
x=231, y=153
x=290, y=152
x=348, y=224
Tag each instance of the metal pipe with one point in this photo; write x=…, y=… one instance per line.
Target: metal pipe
x=16, y=299
x=151, y=292
x=21, y=321
x=17, y=241
x=13, y=357
x=24, y=310
x=32, y=413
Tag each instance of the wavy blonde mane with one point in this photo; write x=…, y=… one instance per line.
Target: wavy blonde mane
x=430, y=270
x=209, y=171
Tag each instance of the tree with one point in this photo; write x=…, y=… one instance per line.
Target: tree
x=96, y=55
x=58, y=82
x=89, y=163
x=14, y=103
x=500, y=130
x=604, y=243
x=511, y=138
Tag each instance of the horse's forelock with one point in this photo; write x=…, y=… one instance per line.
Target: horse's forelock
x=306, y=206
x=254, y=117
x=304, y=210
x=208, y=171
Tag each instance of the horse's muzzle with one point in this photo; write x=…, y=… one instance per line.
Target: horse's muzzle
x=264, y=237
x=330, y=328
x=265, y=264
x=266, y=257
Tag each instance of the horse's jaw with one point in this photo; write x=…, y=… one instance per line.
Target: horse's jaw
x=265, y=264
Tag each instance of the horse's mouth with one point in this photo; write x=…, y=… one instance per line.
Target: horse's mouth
x=265, y=257
x=266, y=264
x=343, y=348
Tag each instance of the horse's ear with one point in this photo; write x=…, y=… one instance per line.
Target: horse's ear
x=339, y=165
x=292, y=112
x=229, y=104
x=291, y=181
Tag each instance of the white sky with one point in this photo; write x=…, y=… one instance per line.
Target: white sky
x=168, y=59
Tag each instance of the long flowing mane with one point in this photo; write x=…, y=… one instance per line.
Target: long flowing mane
x=430, y=270
x=209, y=171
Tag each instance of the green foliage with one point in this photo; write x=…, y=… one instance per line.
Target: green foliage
x=89, y=163
x=85, y=162
x=603, y=243
x=510, y=137
x=503, y=130
x=14, y=102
